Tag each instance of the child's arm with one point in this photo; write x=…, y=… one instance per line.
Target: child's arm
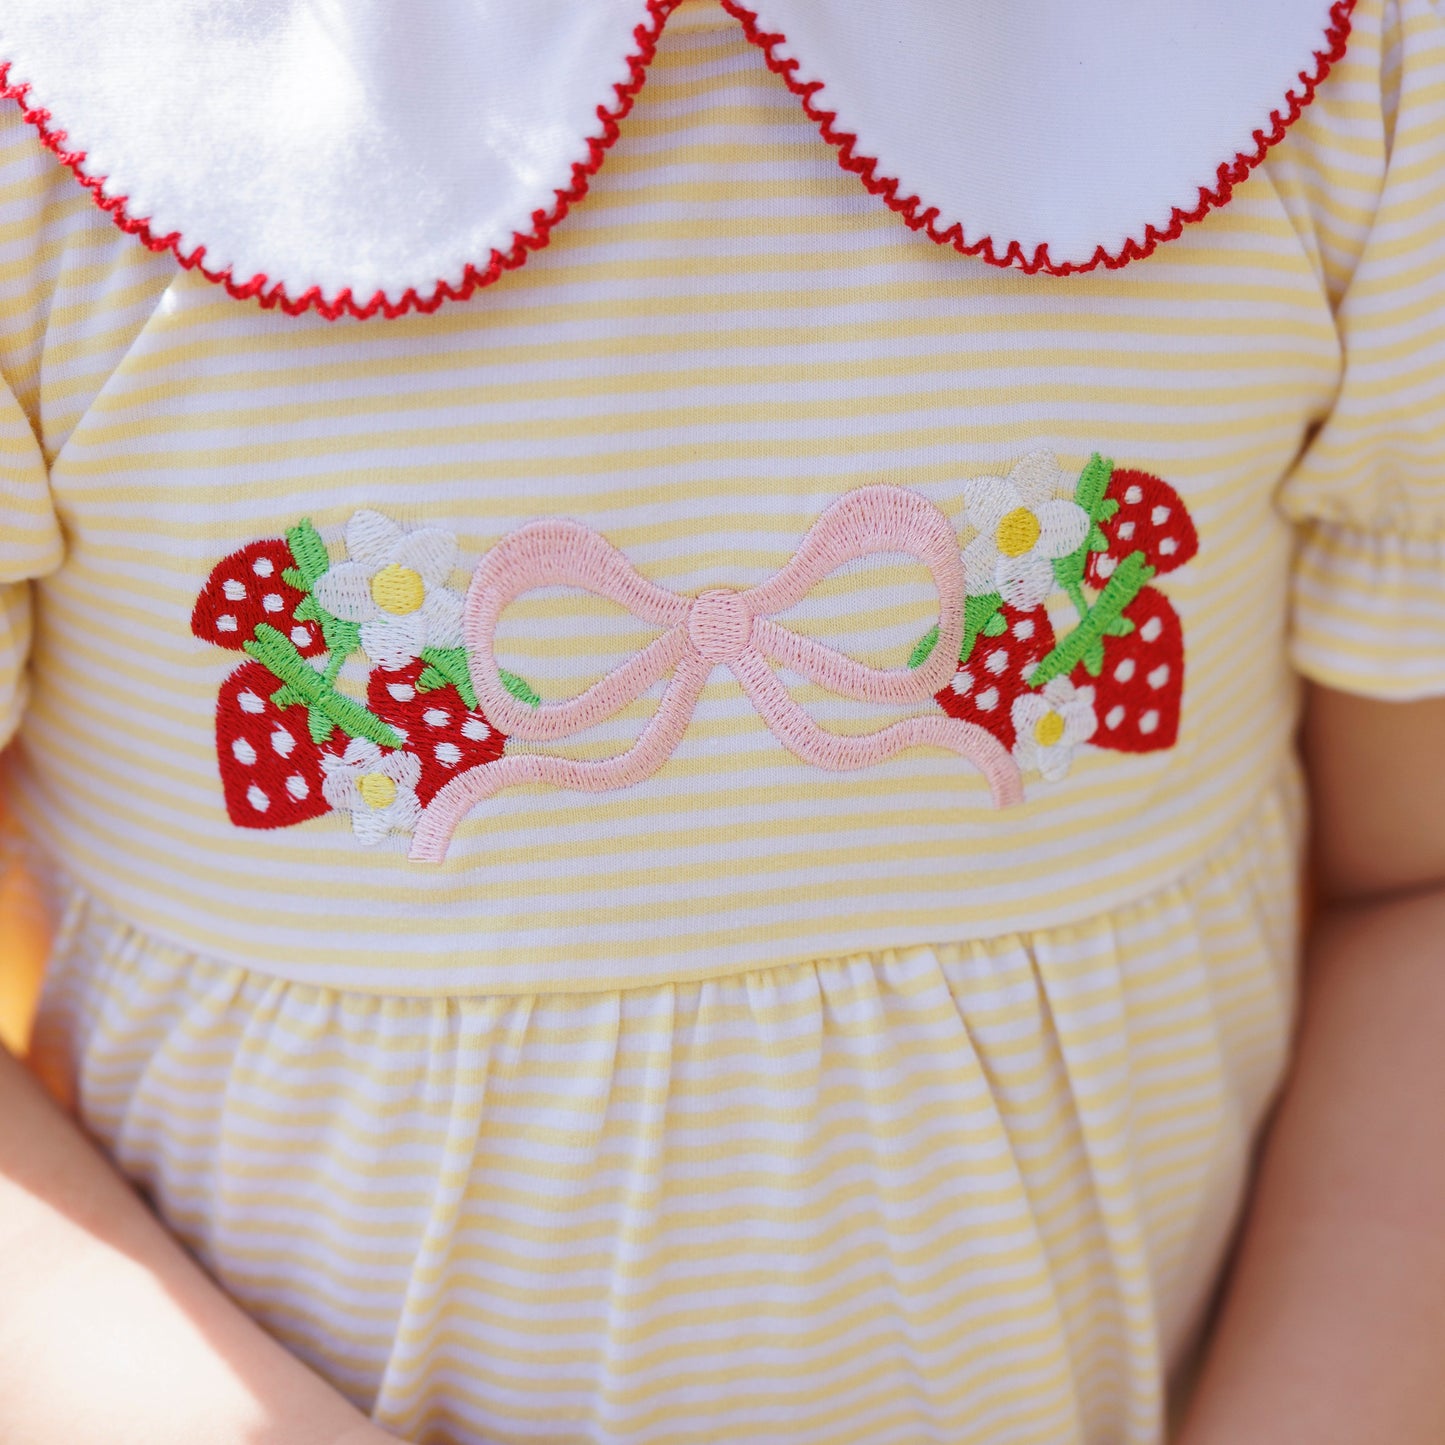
x=109, y=1333
x=1333, y=1330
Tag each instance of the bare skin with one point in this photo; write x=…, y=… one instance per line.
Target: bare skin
x=110, y=1334
x=1334, y=1326
x=1333, y=1329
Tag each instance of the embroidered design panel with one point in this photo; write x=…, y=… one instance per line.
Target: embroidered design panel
x=439, y=726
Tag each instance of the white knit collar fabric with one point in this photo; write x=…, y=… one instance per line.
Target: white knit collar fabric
x=369, y=157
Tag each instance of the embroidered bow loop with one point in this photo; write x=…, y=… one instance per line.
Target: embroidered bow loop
x=719, y=627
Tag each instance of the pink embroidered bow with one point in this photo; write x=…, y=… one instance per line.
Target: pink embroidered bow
x=720, y=627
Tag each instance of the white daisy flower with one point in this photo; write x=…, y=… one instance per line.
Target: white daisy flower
x=1024, y=521
x=1051, y=724
x=393, y=585
x=377, y=788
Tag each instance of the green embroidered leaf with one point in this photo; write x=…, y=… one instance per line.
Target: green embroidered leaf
x=1094, y=659
x=278, y=654
x=1089, y=494
x=981, y=617
x=312, y=558
x=342, y=637
x=451, y=663
x=1119, y=627
x=1093, y=483
x=923, y=648
x=319, y=725
x=518, y=688
x=1079, y=645
x=1096, y=540
x=978, y=612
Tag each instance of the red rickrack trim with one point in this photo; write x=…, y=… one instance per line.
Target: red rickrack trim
x=273, y=294
x=919, y=218
x=270, y=295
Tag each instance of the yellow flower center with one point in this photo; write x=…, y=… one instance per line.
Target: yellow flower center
x=377, y=790
x=1017, y=532
x=398, y=590
x=1048, y=730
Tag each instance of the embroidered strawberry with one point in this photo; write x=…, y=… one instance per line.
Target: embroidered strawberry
x=1140, y=689
x=270, y=767
x=248, y=587
x=446, y=736
x=983, y=688
x=1151, y=518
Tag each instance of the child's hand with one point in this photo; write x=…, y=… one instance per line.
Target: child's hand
x=1334, y=1327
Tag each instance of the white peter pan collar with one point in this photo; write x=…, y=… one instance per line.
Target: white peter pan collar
x=370, y=157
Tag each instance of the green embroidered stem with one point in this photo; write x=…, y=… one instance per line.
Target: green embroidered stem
x=279, y=656
x=1076, y=596
x=1087, y=638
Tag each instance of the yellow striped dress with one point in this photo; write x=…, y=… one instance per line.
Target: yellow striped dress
x=757, y=1099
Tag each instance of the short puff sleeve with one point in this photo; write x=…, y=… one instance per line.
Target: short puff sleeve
x=29, y=547
x=1368, y=494
x=30, y=538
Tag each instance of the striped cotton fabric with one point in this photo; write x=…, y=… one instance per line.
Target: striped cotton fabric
x=971, y=1193
x=726, y=337
x=756, y=1102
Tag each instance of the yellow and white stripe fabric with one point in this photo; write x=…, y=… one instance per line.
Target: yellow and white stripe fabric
x=726, y=337
x=968, y=1194
x=30, y=547
x=1369, y=603
x=756, y=1102
x=1370, y=611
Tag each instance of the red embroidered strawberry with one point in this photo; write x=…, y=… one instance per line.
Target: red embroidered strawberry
x=1139, y=692
x=446, y=735
x=983, y=689
x=248, y=587
x=270, y=767
x=1151, y=518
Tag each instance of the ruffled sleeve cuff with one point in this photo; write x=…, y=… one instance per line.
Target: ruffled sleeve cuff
x=1369, y=611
